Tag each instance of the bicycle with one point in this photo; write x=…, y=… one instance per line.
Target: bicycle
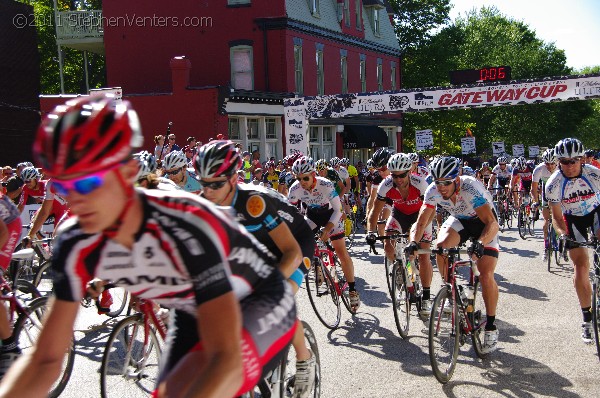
x=553, y=245
x=455, y=316
x=350, y=227
x=280, y=382
x=503, y=208
x=325, y=284
x=406, y=284
x=525, y=219
x=131, y=359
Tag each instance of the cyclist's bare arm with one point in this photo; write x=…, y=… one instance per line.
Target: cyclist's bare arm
x=417, y=230
x=342, y=187
x=33, y=374
x=218, y=368
x=491, y=181
x=291, y=253
x=40, y=218
x=491, y=228
x=559, y=223
x=535, y=191
x=3, y=233
x=374, y=215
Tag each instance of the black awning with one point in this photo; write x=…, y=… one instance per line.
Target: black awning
x=356, y=137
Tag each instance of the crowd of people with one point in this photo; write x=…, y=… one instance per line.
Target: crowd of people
x=230, y=275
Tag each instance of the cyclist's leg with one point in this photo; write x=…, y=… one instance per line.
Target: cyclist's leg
x=425, y=267
x=577, y=227
x=392, y=226
x=448, y=237
x=546, y=215
x=13, y=230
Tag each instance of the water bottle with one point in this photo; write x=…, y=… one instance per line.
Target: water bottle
x=409, y=274
x=470, y=292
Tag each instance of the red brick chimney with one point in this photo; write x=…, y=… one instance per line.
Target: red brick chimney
x=180, y=73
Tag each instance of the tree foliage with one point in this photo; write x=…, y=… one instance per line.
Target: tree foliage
x=488, y=38
x=73, y=60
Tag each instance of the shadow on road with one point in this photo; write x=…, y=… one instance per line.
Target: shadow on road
x=93, y=341
x=527, y=292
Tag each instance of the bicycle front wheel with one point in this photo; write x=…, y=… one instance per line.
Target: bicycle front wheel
x=444, y=335
x=26, y=332
x=323, y=295
x=596, y=312
x=388, y=273
x=130, y=364
x=400, y=299
x=477, y=320
x=522, y=223
x=289, y=381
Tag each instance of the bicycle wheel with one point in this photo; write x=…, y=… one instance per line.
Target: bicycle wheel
x=43, y=272
x=26, y=333
x=119, y=301
x=400, y=299
x=596, y=312
x=388, y=273
x=349, y=231
x=531, y=223
x=521, y=222
x=130, y=364
x=323, y=295
x=289, y=379
x=509, y=218
x=344, y=292
x=444, y=335
x=476, y=318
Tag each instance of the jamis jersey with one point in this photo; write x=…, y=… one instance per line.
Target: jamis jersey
x=186, y=252
x=504, y=174
x=39, y=193
x=471, y=195
x=578, y=196
x=416, y=190
x=8, y=211
x=541, y=173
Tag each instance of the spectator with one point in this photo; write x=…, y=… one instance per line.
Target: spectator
x=189, y=153
x=247, y=166
x=255, y=160
x=13, y=188
x=193, y=144
x=7, y=172
x=172, y=145
x=160, y=150
x=258, y=177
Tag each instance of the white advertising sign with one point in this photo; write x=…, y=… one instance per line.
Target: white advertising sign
x=27, y=215
x=424, y=139
x=296, y=126
x=518, y=150
x=534, y=151
x=468, y=145
x=498, y=148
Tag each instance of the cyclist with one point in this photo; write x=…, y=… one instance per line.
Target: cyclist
x=354, y=180
x=175, y=166
x=471, y=216
x=484, y=173
x=379, y=159
x=405, y=191
x=146, y=176
x=575, y=206
x=271, y=177
x=590, y=158
x=522, y=174
x=33, y=187
x=418, y=169
x=323, y=210
x=286, y=177
x=541, y=173
x=10, y=230
x=323, y=170
x=172, y=247
x=275, y=222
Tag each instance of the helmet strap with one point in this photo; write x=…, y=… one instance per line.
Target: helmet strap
x=112, y=231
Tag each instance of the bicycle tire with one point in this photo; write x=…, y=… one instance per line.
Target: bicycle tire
x=521, y=223
x=290, y=369
x=119, y=360
x=509, y=218
x=26, y=332
x=596, y=312
x=43, y=272
x=400, y=299
x=326, y=305
x=26, y=291
x=477, y=320
x=531, y=224
x=443, y=341
x=120, y=297
x=388, y=273
x=344, y=293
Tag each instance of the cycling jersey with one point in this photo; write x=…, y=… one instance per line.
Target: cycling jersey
x=485, y=175
x=192, y=184
x=421, y=171
x=343, y=173
x=352, y=171
x=8, y=210
x=502, y=174
x=376, y=179
x=286, y=178
x=334, y=177
x=541, y=174
x=9, y=214
x=578, y=196
x=525, y=176
x=272, y=180
x=38, y=194
x=388, y=192
x=59, y=204
x=470, y=195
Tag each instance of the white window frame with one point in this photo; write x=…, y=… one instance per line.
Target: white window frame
x=261, y=141
x=363, y=75
x=298, y=69
x=237, y=135
x=317, y=147
x=379, y=77
x=320, y=72
x=344, y=73
x=315, y=7
x=234, y=49
x=393, y=78
x=376, y=21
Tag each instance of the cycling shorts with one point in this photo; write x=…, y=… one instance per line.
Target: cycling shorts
x=269, y=323
x=401, y=222
x=471, y=229
x=319, y=219
x=578, y=227
x=14, y=234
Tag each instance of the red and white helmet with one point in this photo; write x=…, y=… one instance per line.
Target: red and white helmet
x=217, y=159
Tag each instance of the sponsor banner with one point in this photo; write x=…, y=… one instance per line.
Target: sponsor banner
x=117, y=92
x=468, y=145
x=518, y=150
x=424, y=139
x=534, y=151
x=296, y=126
x=474, y=96
x=498, y=148
x=28, y=213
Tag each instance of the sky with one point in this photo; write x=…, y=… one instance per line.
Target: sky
x=573, y=25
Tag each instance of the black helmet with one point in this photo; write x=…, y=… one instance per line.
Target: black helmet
x=381, y=157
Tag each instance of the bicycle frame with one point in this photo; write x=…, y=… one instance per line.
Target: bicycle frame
x=324, y=251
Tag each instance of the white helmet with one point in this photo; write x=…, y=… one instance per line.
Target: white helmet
x=548, y=156
x=414, y=157
x=446, y=167
x=147, y=163
x=344, y=162
x=502, y=159
x=520, y=163
x=335, y=161
x=569, y=148
x=175, y=160
x=399, y=162
x=29, y=173
x=303, y=165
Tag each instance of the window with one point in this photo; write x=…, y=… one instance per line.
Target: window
x=242, y=75
x=237, y=2
x=320, y=73
x=270, y=128
x=321, y=143
x=375, y=21
x=299, y=77
x=393, y=76
x=344, y=72
x=252, y=128
x=379, y=75
x=358, y=6
x=363, y=75
x=315, y=7
x=347, y=12
x=234, y=128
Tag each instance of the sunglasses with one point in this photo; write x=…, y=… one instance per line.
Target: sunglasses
x=502, y=164
x=305, y=178
x=83, y=186
x=173, y=172
x=401, y=175
x=444, y=183
x=27, y=181
x=213, y=185
x=567, y=162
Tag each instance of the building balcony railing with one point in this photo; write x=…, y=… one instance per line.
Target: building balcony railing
x=82, y=30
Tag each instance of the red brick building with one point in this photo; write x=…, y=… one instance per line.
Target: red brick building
x=241, y=58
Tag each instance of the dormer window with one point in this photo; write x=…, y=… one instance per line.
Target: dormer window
x=315, y=7
x=375, y=21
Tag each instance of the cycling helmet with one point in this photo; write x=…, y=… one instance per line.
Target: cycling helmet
x=334, y=162
x=321, y=164
x=29, y=173
x=25, y=164
x=446, y=167
x=485, y=164
x=147, y=163
x=569, y=148
x=414, y=157
x=530, y=163
x=86, y=135
x=217, y=159
x=345, y=162
x=370, y=163
x=399, y=162
x=174, y=160
x=381, y=157
x=589, y=152
x=548, y=156
x=520, y=163
x=468, y=171
x=269, y=164
x=303, y=165
x=502, y=159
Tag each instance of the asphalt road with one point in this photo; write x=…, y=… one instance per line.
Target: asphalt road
x=540, y=350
